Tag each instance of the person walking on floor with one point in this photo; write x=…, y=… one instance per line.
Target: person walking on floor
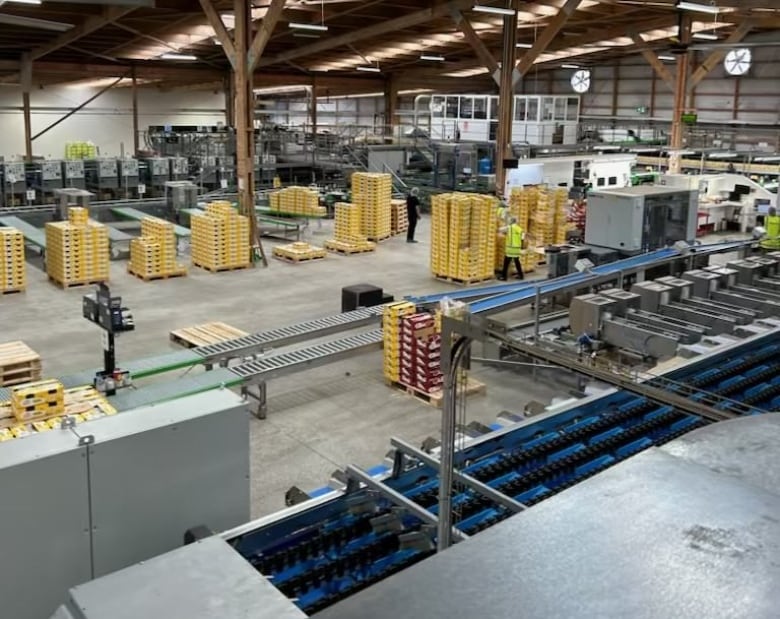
x=513, y=246
x=412, y=213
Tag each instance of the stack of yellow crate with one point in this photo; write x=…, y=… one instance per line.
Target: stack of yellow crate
x=13, y=269
x=297, y=201
x=153, y=254
x=542, y=224
x=463, y=237
x=39, y=400
x=349, y=238
x=77, y=250
x=560, y=198
x=391, y=327
x=521, y=203
x=372, y=193
x=220, y=238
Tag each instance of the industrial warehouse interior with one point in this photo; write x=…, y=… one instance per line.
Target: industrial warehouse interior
x=389, y=308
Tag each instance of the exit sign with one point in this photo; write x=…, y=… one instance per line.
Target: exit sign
x=689, y=118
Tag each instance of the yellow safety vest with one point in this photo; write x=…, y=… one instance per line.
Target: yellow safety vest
x=501, y=212
x=514, y=241
x=772, y=226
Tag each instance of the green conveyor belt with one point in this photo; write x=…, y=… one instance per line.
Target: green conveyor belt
x=33, y=235
x=142, y=368
x=133, y=213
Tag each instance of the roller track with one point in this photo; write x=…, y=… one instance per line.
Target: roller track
x=328, y=552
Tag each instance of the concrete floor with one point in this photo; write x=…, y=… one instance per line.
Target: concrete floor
x=318, y=421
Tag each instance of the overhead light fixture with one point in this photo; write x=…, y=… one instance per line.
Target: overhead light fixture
x=495, y=10
x=524, y=45
x=664, y=57
x=432, y=57
x=306, y=35
x=699, y=8
x=570, y=66
x=317, y=27
x=369, y=69
x=178, y=57
x=705, y=36
x=23, y=1
x=216, y=41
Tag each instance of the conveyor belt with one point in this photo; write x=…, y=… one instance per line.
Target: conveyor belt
x=284, y=336
x=285, y=363
x=33, y=235
x=133, y=213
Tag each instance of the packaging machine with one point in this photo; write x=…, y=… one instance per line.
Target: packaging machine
x=73, y=174
x=102, y=175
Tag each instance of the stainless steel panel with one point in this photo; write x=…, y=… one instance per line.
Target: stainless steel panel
x=159, y=470
x=206, y=580
x=639, y=339
x=704, y=282
x=624, y=299
x=587, y=312
x=656, y=536
x=680, y=288
x=653, y=295
x=44, y=523
x=746, y=271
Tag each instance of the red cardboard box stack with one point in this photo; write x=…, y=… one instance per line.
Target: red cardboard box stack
x=421, y=354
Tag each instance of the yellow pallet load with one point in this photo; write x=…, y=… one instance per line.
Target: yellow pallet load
x=80, y=150
x=399, y=219
x=77, y=250
x=464, y=230
x=153, y=254
x=300, y=201
x=220, y=238
x=13, y=268
x=349, y=238
x=542, y=224
x=38, y=400
x=299, y=252
x=373, y=193
x=560, y=199
x=391, y=328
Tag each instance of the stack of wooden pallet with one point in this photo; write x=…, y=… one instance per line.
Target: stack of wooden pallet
x=153, y=254
x=299, y=252
x=13, y=269
x=18, y=364
x=77, y=250
x=463, y=237
x=349, y=237
x=220, y=239
x=399, y=221
x=391, y=329
x=297, y=201
x=372, y=193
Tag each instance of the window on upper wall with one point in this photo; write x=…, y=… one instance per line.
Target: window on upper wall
x=520, y=109
x=466, y=107
x=493, y=108
x=547, y=108
x=612, y=180
x=572, y=108
x=600, y=181
x=560, y=108
x=532, y=110
x=480, y=108
x=437, y=107
x=452, y=107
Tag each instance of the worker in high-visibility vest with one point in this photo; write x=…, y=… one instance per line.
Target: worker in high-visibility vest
x=772, y=226
x=513, y=247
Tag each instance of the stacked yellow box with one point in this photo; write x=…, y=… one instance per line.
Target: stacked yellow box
x=372, y=193
x=297, y=201
x=560, y=198
x=220, y=239
x=463, y=237
x=542, y=224
x=299, y=252
x=77, y=253
x=399, y=220
x=349, y=238
x=153, y=254
x=39, y=400
x=78, y=216
x=391, y=327
x=521, y=203
x=13, y=269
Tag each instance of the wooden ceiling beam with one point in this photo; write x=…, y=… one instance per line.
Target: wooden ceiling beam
x=652, y=59
x=219, y=29
x=264, y=32
x=547, y=35
x=716, y=56
x=477, y=44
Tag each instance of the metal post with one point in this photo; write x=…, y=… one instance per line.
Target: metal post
x=135, y=112
x=537, y=310
x=26, y=81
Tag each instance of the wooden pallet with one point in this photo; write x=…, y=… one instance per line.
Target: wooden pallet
x=12, y=291
x=76, y=284
x=379, y=239
x=205, y=334
x=293, y=259
x=152, y=278
x=220, y=269
x=463, y=282
x=436, y=398
x=347, y=250
x=18, y=364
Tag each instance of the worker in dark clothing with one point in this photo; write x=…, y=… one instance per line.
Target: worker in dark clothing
x=412, y=213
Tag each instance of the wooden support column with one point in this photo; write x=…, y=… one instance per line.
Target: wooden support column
x=230, y=97
x=26, y=80
x=735, y=103
x=313, y=121
x=681, y=87
x=244, y=119
x=653, y=86
x=506, y=96
x=391, y=105
x=691, y=86
x=615, y=86
x=135, y=112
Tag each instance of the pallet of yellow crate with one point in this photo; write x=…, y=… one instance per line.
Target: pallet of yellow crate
x=153, y=254
x=18, y=364
x=80, y=404
x=13, y=268
x=220, y=239
x=301, y=201
x=350, y=247
x=299, y=252
x=392, y=318
x=77, y=254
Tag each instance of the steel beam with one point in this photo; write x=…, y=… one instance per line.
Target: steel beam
x=547, y=35
x=135, y=113
x=476, y=485
x=26, y=81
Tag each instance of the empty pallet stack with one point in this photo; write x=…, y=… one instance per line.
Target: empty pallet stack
x=153, y=254
x=220, y=239
x=300, y=201
x=372, y=193
x=77, y=250
x=349, y=238
x=392, y=321
x=18, y=364
x=399, y=220
x=13, y=269
x=463, y=237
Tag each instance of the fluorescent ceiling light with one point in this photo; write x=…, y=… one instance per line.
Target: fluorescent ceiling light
x=663, y=57
x=317, y=27
x=701, y=8
x=23, y=1
x=479, y=8
x=570, y=66
x=178, y=57
x=705, y=36
x=524, y=45
x=369, y=69
x=431, y=57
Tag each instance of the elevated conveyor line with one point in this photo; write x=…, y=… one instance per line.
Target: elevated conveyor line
x=32, y=235
x=127, y=212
